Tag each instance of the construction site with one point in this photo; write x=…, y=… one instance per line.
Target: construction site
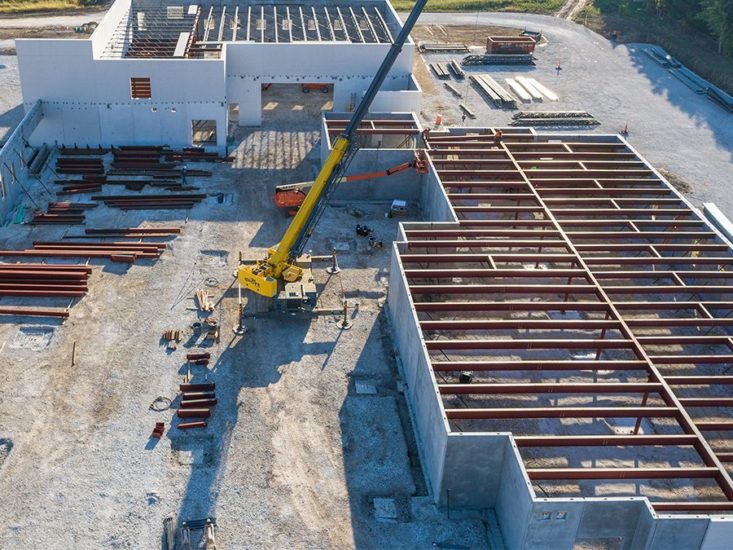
x=325, y=275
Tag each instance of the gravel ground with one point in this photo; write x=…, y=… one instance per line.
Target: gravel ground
x=293, y=455
x=11, y=108
x=677, y=131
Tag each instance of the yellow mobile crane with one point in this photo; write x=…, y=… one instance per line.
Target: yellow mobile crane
x=284, y=266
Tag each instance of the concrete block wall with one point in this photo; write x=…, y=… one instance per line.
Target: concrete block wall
x=13, y=157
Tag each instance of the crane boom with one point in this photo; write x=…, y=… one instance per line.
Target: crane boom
x=280, y=263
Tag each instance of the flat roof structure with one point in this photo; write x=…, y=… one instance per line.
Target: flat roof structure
x=570, y=299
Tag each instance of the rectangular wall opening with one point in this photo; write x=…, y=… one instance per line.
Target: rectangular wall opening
x=296, y=102
x=203, y=132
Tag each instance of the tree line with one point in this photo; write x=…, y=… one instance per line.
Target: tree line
x=712, y=16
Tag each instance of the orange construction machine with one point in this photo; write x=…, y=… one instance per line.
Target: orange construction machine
x=292, y=195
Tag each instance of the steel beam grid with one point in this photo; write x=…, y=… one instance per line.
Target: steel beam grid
x=154, y=32
x=548, y=227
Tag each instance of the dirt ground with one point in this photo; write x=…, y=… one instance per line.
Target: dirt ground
x=294, y=454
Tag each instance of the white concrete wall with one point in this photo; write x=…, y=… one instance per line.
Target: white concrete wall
x=350, y=67
x=88, y=98
x=399, y=95
x=422, y=390
x=87, y=101
x=14, y=155
x=108, y=25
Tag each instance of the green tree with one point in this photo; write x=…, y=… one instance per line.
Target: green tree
x=718, y=16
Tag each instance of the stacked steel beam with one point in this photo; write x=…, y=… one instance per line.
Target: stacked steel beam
x=133, y=232
x=115, y=251
x=79, y=165
x=62, y=213
x=151, y=202
x=42, y=280
x=197, y=400
x=195, y=154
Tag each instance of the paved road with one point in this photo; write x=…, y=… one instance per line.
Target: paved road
x=44, y=21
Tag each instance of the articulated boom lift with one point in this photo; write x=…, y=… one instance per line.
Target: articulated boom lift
x=292, y=195
x=285, y=272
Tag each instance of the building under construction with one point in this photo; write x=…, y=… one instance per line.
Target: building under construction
x=561, y=314
x=153, y=72
x=563, y=322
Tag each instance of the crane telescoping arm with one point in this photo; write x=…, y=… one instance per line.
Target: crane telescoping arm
x=280, y=262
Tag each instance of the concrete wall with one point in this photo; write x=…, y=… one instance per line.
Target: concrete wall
x=402, y=186
x=349, y=67
x=399, y=95
x=434, y=201
x=375, y=154
x=422, y=390
x=88, y=97
x=485, y=470
x=87, y=101
x=13, y=157
x=108, y=25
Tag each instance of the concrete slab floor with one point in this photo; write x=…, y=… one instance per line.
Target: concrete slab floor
x=293, y=455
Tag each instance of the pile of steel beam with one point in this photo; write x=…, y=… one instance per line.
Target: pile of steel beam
x=195, y=154
x=62, y=213
x=433, y=47
x=159, y=173
x=82, y=151
x=42, y=280
x=151, y=202
x=494, y=91
x=497, y=59
x=440, y=70
x=79, y=165
x=126, y=252
x=554, y=118
x=88, y=184
x=197, y=400
x=129, y=232
x=455, y=68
